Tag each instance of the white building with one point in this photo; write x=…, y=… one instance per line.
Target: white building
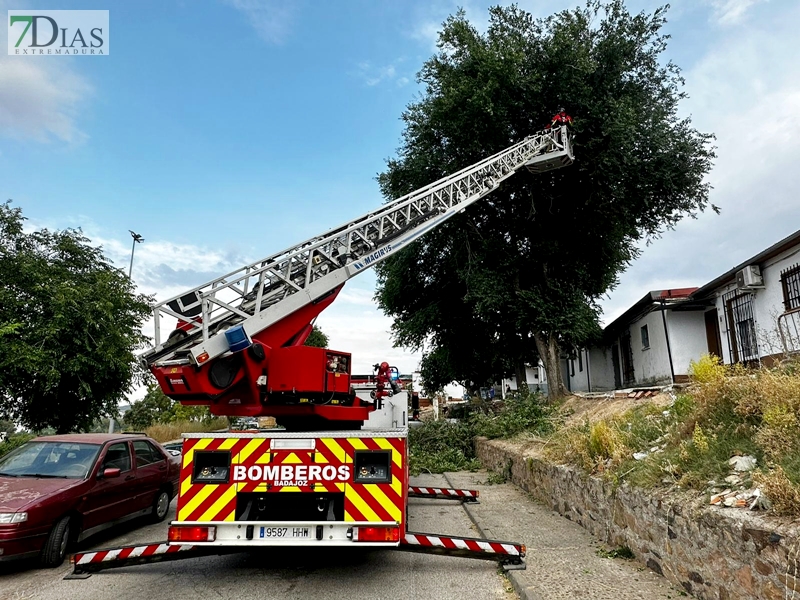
x=535, y=377
x=754, y=309
x=750, y=314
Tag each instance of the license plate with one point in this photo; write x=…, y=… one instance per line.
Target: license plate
x=281, y=532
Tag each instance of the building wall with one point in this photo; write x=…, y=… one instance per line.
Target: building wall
x=767, y=306
x=769, y=302
x=650, y=365
x=577, y=376
x=597, y=374
x=601, y=369
x=687, y=337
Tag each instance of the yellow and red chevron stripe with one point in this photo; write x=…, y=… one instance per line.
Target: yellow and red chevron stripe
x=363, y=502
x=376, y=501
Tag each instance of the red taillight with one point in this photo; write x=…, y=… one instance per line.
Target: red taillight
x=377, y=534
x=192, y=533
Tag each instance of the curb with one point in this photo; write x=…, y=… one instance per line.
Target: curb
x=513, y=576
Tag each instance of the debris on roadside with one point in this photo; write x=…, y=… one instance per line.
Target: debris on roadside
x=742, y=464
x=752, y=499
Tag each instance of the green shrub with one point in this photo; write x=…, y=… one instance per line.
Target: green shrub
x=439, y=446
x=15, y=440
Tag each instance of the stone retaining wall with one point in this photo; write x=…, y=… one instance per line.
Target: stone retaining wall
x=714, y=553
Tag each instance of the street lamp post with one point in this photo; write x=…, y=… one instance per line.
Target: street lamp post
x=136, y=239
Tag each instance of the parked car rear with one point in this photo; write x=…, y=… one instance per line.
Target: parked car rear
x=58, y=490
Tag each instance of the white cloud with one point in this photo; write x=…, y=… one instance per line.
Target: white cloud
x=271, y=19
x=354, y=324
x=41, y=97
x=164, y=268
x=427, y=32
x=732, y=12
x=373, y=75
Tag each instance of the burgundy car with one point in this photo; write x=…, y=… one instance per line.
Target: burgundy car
x=60, y=489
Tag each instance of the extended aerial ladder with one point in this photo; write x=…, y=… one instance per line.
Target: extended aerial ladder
x=338, y=475
x=268, y=306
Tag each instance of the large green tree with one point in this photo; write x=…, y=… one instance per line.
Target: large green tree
x=71, y=322
x=518, y=275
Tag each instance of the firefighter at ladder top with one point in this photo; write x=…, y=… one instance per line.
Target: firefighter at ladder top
x=560, y=118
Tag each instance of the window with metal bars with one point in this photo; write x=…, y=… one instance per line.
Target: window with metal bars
x=790, y=282
x=741, y=324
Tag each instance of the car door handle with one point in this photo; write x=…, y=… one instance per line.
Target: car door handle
x=129, y=477
x=162, y=468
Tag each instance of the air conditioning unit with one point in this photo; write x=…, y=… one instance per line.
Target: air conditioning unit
x=749, y=278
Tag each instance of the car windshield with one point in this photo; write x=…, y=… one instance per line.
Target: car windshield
x=69, y=460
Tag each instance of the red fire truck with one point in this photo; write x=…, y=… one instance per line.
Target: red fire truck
x=336, y=474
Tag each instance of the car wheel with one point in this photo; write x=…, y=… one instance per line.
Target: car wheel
x=55, y=548
x=161, y=506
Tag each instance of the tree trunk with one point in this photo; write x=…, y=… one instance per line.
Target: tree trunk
x=520, y=375
x=547, y=345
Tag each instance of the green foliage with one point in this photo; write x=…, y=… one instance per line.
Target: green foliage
x=15, y=440
x=439, y=446
x=157, y=408
x=71, y=322
x=525, y=412
x=317, y=339
x=520, y=272
x=7, y=427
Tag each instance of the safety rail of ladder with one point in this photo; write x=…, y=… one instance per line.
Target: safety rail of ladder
x=260, y=294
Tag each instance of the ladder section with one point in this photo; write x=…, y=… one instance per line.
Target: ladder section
x=264, y=292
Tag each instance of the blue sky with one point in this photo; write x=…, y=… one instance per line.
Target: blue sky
x=223, y=131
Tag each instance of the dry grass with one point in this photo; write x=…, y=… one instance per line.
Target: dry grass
x=577, y=410
x=784, y=495
x=769, y=399
x=727, y=411
x=603, y=445
x=165, y=432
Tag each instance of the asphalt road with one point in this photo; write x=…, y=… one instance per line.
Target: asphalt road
x=285, y=574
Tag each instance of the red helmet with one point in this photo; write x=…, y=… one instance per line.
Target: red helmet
x=384, y=366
